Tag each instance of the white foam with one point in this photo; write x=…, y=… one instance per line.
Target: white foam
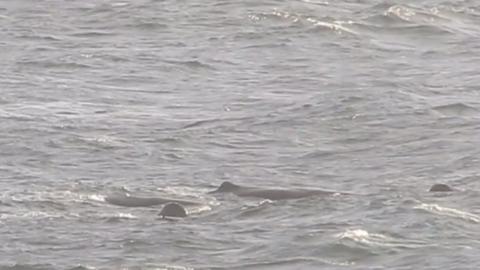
x=60, y=196
x=29, y=215
x=87, y=267
x=68, y=195
x=106, y=141
x=362, y=236
x=339, y=263
x=198, y=209
x=376, y=239
x=256, y=204
x=266, y=201
x=401, y=12
x=450, y=212
x=335, y=26
x=126, y=216
x=96, y=197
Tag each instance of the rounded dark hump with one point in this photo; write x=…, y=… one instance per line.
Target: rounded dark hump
x=226, y=187
x=440, y=188
x=173, y=210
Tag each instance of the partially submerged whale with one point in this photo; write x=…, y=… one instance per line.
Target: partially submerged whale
x=271, y=194
x=440, y=188
x=133, y=201
x=171, y=208
x=177, y=207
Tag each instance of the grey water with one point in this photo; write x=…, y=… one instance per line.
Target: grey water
x=377, y=98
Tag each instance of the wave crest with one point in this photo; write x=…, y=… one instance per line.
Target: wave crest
x=450, y=212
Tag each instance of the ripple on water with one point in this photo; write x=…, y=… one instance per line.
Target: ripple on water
x=449, y=212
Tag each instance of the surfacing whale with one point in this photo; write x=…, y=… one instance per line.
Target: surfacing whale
x=133, y=201
x=173, y=210
x=440, y=188
x=270, y=194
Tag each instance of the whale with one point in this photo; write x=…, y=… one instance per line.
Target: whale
x=440, y=188
x=171, y=207
x=177, y=207
x=269, y=193
x=133, y=201
x=173, y=210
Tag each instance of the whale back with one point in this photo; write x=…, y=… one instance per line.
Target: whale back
x=440, y=188
x=265, y=193
x=173, y=210
x=226, y=187
x=131, y=201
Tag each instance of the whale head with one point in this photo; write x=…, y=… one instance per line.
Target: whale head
x=173, y=210
x=226, y=187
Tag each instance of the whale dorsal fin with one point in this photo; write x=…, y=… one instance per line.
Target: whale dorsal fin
x=226, y=187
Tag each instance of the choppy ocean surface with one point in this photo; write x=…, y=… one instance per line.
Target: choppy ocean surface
x=380, y=99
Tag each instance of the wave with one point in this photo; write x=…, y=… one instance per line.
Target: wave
x=54, y=64
x=60, y=196
x=411, y=14
x=192, y=64
x=92, y=34
x=210, y=123
x=456, y=109
x=254, y=208
x=376, y=239
x=32, y=215
x=147, y=25
x=383, y=24
x=449, y=212
x=408, y=19
x=27, y=267
x=50, y=204
x=82, y=267
x=117, y=217
x=87, y=267
x=293, y=18
x=42, y=267
x=198, y=209
x=39, y=37
x=169, y=267
x=292, y=262
x=361, y=236
x=104, y=142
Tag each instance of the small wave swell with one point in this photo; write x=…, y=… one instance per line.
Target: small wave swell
x=450, y=212
x=456, y=109
x=336, y=26
x=376, y=239
x=362, y=236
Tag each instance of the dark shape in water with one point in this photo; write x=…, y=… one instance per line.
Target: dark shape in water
x=271, y=194
x=440, y=188
x=226, y=187
x=173, y=210
x=132, y=201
